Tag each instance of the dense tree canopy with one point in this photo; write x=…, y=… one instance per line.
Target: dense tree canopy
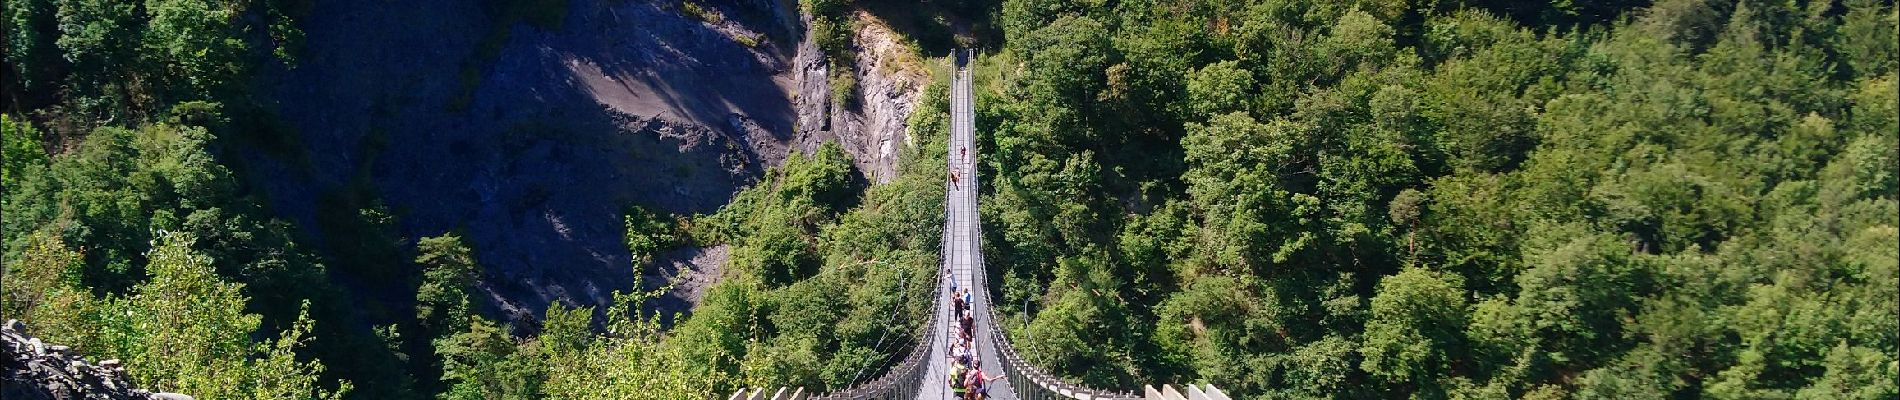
x=1450, y=199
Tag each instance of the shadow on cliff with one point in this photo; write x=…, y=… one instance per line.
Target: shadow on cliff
x=628, y=103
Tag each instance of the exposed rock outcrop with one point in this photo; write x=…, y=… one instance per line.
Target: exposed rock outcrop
x=35, y=370
x=872, y=129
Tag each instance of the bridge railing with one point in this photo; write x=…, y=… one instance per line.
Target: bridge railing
x=1033, y=383
x=906, y=379
x=903, y=382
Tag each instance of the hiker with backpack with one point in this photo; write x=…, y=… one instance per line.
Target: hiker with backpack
x=957, y=376
x=977, y=384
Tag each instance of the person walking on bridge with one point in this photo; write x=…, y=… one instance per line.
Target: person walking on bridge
x=978, y=383
x=957, y=376
x=956, y=297
x=969, y=324
x=959, y=353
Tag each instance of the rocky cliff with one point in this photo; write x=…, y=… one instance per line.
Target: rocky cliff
x=873, y=128
x=532, y=139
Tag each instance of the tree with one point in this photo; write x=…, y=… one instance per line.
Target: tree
x=448, y=272
x=1226, y=329
x=1064, y=75
x=23, y=152
x=648, y=234
x=1220, y=88
x=31, y=52
x=1235, y=165
x=185, y=330
x=1416, y=332
x=119, y=185
x=484, y=362
x=198, y=41
x=1861, y=39
x=41, y=288
x=279, y=375
x=1853, y=373
x=101, y=40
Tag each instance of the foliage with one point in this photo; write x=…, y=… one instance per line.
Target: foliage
x=485, y=362
x=703, y=13
x=1416, y=326
x=32, y=54
x=1455, y=199
x=40, y=287
x=773, y=228
x=183, y=330
x=648, y=233
x=844, y=88
x=86, y=220
x=20, y=147
x=198, y=41
x=448, y=271
x=100, y=39
x=105, y=62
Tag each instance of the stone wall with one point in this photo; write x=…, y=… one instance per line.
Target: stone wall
x=31, y=369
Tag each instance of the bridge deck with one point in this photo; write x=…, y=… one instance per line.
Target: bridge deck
x=960, y=253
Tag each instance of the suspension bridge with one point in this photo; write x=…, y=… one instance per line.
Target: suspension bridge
x=925, y=372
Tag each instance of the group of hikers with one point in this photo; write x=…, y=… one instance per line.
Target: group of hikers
x=967, y=380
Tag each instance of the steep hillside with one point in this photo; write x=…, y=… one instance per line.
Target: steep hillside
x=532, y=135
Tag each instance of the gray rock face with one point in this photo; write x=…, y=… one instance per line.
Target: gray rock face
x=890, y=79
x=873, y=128
x=27, y=372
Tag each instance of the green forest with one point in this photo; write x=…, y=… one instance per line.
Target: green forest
x=1467, y=199
x=1389, y=199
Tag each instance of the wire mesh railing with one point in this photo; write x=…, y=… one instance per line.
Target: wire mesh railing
x=906, y=379
x=1030, y=382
